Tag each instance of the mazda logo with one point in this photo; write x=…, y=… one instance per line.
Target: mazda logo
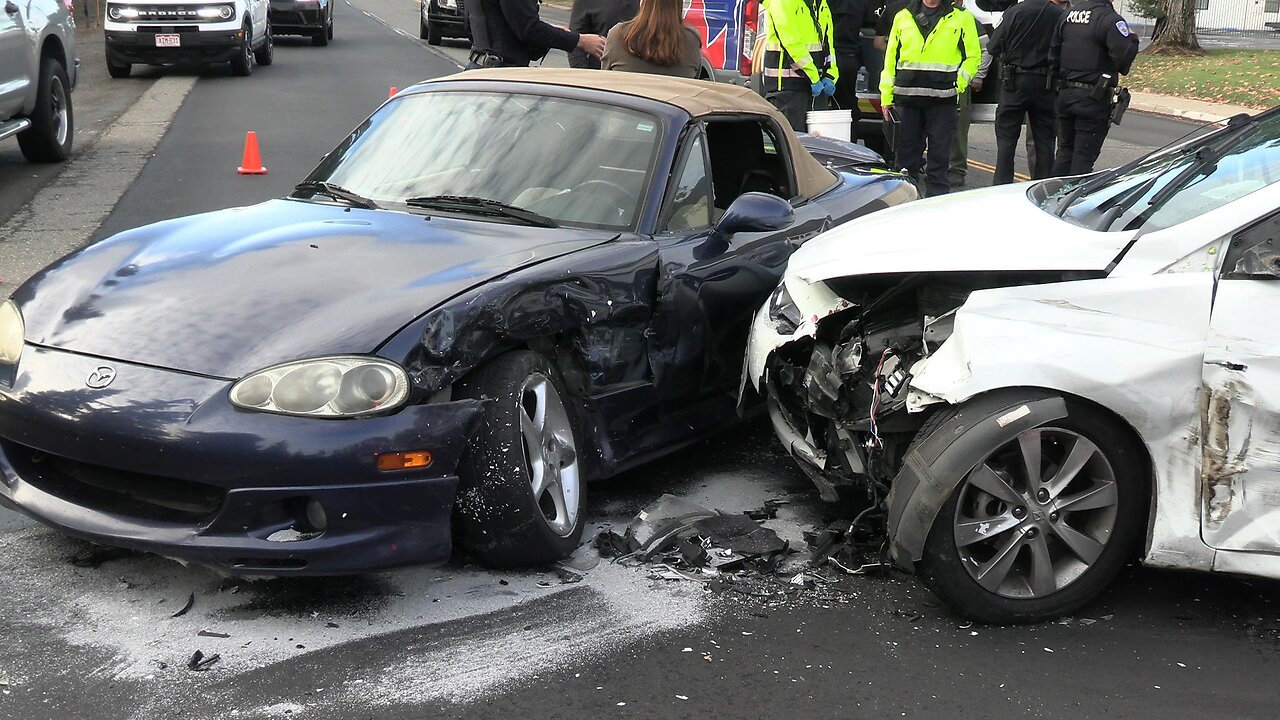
x=101, y=376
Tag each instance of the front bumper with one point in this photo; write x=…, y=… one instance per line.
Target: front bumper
x=454, y=18
x=289, y=17
x=196, y=47
x=161, y=461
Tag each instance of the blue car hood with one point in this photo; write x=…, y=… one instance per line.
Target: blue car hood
x=226, y=293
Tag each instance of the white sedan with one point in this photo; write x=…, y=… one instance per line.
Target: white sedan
x=1040, y=383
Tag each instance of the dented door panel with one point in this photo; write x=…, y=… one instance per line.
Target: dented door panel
x=1240, y=420
x=1134, y=345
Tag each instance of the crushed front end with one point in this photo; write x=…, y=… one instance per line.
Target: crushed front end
x=835, y=361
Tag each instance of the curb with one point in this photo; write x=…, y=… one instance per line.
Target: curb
x=1157, y=108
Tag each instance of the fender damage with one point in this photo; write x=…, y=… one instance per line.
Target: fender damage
x=852, y=367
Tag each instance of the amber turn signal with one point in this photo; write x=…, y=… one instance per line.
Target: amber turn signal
x=404, y=460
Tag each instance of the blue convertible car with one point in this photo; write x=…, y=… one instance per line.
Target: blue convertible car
x=501, y=285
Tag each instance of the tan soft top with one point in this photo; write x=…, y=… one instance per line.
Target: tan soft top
x=696, y=97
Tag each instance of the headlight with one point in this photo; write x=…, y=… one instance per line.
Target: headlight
x=122, y=12
x=11, y=333
x=784, y=313
x=345, y=386
x=216, y=12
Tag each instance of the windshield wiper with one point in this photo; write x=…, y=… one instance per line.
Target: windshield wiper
x=1098, y=181
x=1207, y=156
x=485, y=206
x=337, y=192
x=1123, y=203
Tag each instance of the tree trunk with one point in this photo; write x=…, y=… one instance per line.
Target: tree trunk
x=1177, y=34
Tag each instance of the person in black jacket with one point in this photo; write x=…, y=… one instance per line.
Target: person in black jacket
x=509, y=33
x=1020, y=48
x=1092, y=48
x=847, y=18
x=598, y=17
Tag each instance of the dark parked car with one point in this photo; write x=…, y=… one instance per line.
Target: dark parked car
x=440, y=19
x=309, y=18
x=503, y=284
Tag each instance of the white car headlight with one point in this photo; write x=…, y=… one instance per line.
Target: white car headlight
x=11, y=333
x=344, y=386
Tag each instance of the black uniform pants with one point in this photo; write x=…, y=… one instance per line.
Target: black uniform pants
x=846, y=97
x=795, y=104
x=927, y=127
x=1029, y=99
x=1083, y=123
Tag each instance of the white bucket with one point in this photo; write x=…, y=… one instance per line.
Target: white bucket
x=831, y=123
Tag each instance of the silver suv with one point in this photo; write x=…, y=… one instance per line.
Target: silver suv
x=37, y=72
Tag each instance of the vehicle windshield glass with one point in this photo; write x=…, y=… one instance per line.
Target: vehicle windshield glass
x=1172, y=187
x=578, y=163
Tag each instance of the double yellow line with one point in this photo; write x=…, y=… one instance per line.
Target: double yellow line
x=992, y=169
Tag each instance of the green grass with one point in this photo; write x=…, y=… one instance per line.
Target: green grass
x=1238, y=77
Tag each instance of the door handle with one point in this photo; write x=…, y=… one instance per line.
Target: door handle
x=10, y=8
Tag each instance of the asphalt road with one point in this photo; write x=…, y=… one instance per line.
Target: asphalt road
x=94, y=638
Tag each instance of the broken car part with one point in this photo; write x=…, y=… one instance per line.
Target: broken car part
x=1119, y=312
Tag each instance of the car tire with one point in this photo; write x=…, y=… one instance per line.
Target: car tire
x=265, y=55
x=328, y=30
x=424, y=32
x=1028, y=526
x=320, y=38
x=242, y=64
x=435, y=35
x=498, y=516
x=52, y=130
x=118, y=70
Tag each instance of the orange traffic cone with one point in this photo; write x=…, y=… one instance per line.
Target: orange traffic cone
x=393, y=92
x=252, y=162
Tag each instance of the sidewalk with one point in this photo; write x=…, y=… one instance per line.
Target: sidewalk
x=1197, y=110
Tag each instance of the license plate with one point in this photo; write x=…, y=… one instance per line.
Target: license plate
x=168, y=41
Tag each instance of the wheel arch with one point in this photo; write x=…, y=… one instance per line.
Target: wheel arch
x=918, y=491
x=586, y=312
x=52, y=47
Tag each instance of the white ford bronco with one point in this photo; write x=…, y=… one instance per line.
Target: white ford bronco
x=202, y=32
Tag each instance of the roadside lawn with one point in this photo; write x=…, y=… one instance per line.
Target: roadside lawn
x=1237, y=77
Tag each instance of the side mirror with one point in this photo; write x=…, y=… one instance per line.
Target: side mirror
x=755, y=212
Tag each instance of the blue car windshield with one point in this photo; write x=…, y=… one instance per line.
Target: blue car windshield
x=575, y=162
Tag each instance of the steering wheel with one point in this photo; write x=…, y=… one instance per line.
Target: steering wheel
x=622, y=199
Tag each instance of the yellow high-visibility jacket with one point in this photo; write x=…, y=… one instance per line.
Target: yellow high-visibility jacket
x=799, y=45
x=939, y=66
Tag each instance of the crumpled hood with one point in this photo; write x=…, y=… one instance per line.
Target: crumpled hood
x=992, y=229
x=229, y=292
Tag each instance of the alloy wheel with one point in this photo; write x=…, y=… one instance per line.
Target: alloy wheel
x=1036, y=513
x=58, y=109
x=550, y=452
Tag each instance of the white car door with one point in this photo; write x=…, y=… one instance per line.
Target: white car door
x=1240, y=422
x=13, y=60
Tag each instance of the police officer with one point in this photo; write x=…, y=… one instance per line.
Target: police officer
x=931, y=55
x=1092, y=47
x=800, y=71
x=1020, y=47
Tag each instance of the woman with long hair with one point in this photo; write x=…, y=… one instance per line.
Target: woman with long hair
x=657, y=41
